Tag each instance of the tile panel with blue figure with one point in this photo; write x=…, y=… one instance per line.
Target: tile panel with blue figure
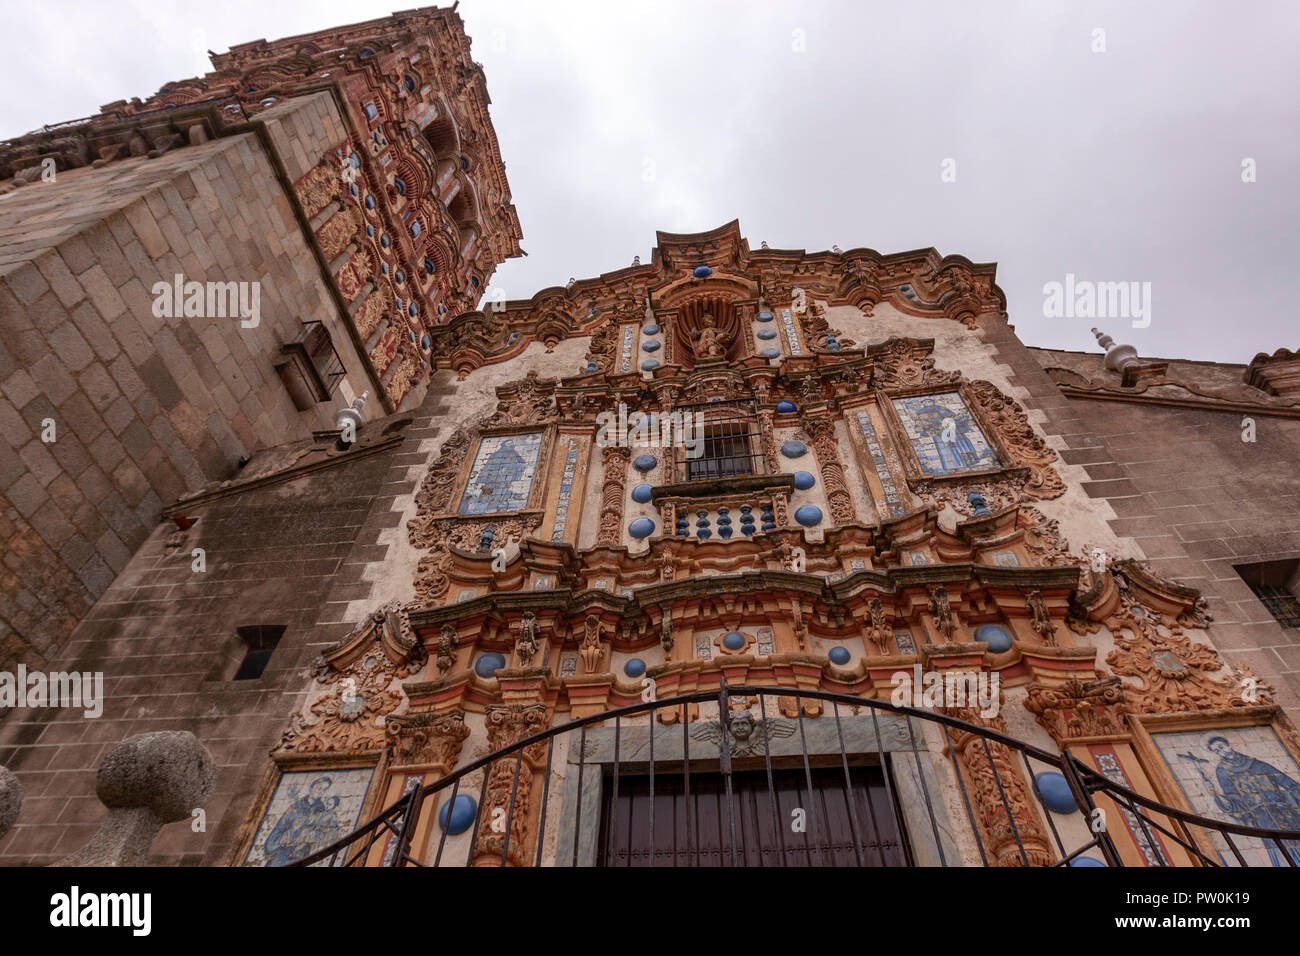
x=309, y=810
x=502, y=475
x=1243, y=775
x=944, y=434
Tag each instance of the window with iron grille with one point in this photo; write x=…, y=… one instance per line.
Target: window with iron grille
x=725, y=442
x=1275, y=584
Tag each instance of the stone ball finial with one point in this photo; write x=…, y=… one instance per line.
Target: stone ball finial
x=11, y=799
x=1118, y=357
x=167, y=771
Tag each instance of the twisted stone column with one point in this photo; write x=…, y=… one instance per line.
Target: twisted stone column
x=610, y=529
x=821, y=431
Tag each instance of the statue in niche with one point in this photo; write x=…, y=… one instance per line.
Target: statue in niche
x=710, y=342
x=526, y=645
x=591, y=651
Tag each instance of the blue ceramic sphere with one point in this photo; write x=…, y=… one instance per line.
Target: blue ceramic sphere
x=462, y=812
x=1056, y=792
x=794, y=449
x=641, y=494
x=634, y=668
x=997, y=637
x=770, y=353
x=651, y=346
x=650, y=329
x=786, y=406
x=734, y=641
x=767, y=334
x=808, y=515
x=803, y=480
x=764, y=316
x=641, y=528
x=839, y=655
x=702, y=272
x=489, y=664
x=1086, y=861
x=644, y=463
x=649, y=365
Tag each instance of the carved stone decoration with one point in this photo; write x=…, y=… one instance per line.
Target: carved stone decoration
x=1043, y=625
x=322, y=185
x=529, y=400
x=510, y=779
x=339, y=230
x=432, y=740
x=877, y=633
x=1175, y=672
x=902, y=362
x=1079, y=709
x=591, y=652
x=821, y=432
x=1043, y=537
x=345, y=705
x=667, y=563
x=369, y=315
x=434, y=496
x=447, y=643
x=1018, y=435
x=666, y=634
x=768, y=431
x=1003, y=832
x=942, y=612
x=610, y=529
x=797, y=624
x=526, y=645
x=711, y=342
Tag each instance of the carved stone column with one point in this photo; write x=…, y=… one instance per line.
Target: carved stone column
x=429, y=741
x=610, y=529
x=507, y=724
x=821, y=430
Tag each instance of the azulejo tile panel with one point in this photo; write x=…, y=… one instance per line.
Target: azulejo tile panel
x=309, y=810
x=944, y=434
x=892, y=497
x=566, y=491
x=502, y=474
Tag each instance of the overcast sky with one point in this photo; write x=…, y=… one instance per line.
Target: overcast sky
x=830, y=123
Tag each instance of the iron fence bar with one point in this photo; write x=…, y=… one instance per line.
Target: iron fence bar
x=546, y=791
x=725, y=762
x=848, y=788
x=451, y=805
x=410, y=813
x=482, y=795
x=1006, y=805
x=771, y=786
x=925, y=792
x=577, y=816
x=613, y=808
x=652, y=789
x=686, y=777
x=889, y=786
x=965, y=797
x=1107, y=846
x=807, y=773
x=1038, y=795
x=1235, y=852
x=510, y=813
x=1188, y=844
x=1286, y=852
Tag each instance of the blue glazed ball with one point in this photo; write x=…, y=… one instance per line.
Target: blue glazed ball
x=641, y=528
x=764, y=316
x=786, y=405
x=489, y=664
x=1086, y=861
x=839, y=655
x=734, y=641
x=793, y=449
x=808, y=515
x=644, y=463
x=703, y=272
x=770, y=353
x=767, y=333
x=997, y=637
x=803, y=480
x=462, y=812
x=649, y=365
x=641, y=494
x=650, y=346
x=1056, y=792
x=651, y=329
x=634, y=668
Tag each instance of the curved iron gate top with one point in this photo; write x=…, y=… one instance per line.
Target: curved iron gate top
x=395, y=825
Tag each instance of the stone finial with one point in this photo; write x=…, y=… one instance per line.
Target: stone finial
x=1276, y=374
x=11, y=799
x=145, y=781
x=1118, y=357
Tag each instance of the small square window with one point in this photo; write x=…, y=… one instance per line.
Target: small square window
x=1275, y=583
x=259, y=642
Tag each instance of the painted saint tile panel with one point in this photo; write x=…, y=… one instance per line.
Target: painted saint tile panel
x=1242, y=775
x=309, y=810
x=944, y=434
x=502, y=474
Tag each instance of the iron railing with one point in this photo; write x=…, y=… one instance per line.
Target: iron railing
x=1147, y=819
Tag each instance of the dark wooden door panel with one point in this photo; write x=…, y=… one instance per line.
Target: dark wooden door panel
x=838, y=824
